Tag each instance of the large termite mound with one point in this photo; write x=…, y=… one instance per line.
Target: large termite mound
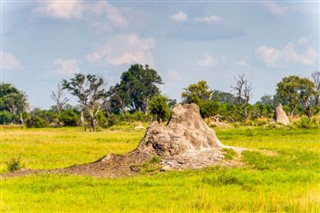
x=185, y=132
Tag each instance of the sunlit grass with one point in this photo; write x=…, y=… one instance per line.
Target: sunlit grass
x=281, y=174
x=57, y=148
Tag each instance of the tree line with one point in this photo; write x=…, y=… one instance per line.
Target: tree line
x=138, y=97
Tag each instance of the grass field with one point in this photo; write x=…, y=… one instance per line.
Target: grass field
x=285, y=177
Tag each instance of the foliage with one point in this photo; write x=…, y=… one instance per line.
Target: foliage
x=40, y=118
x=137, y=87
x=209, y=108
x=223, y=97
x=14, y=164
x=13, y=102
x=309, y=123
x=89, y=89
x=196, y=93
x=296, y=90
x=69, y=117
x=159, y=108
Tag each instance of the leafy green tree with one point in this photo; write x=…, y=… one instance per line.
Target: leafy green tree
x=89, y=89
x=223, y=97
x=209, y=108
x=13, y=101
x=137, y=87
x=295, y=90
x=159, y=107
x=197, y=93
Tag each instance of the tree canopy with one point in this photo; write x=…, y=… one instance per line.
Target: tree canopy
x=197, y=93
x=13, y=103
x=89, y=89
x=296, y=90
x=137, y=87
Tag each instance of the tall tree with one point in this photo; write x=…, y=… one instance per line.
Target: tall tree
x=295, y=90
x=90, y=92
x=197, y=93
x=316, y=80
x=137, y=87
x=13, y=101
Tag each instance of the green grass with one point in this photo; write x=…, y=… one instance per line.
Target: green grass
x=281, y=174
x=57, y=148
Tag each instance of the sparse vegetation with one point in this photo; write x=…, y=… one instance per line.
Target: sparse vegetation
x=229, y=154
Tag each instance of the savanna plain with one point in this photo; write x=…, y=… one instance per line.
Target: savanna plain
x=280, y=173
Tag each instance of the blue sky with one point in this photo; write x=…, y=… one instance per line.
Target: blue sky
x=44, y=42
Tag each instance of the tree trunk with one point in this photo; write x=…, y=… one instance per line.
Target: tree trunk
x=82, y=120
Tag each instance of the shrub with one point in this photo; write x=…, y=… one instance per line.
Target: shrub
x=14, y=164
x=69, y=118
x=308, y=123
x=36, y=122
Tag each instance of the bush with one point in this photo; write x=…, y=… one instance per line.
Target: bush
x=14, y=164
x=309, y=123
x=69, y=118
x=36, y=122
x=5, y=117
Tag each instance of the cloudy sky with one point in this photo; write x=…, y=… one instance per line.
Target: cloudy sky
x=43, y=42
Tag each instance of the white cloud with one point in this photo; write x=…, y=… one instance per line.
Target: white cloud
x=124, y=49
x=276, y=57
x=273, y=8
x=268, y=55
x=242, y=63
x=207, y=61
x=75, y=9
x=180, y=16
x=67, y=67
x=303, y=40
x=113, y=14
x=59, y=9
x=209, y=19
x=9, y=61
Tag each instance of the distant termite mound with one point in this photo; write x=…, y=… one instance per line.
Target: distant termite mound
x=280, y=115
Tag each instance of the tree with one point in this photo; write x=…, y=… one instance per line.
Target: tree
x=316, y=80
x=13, y=101
x=267, y=100
x=307, y=90
x=90, y=92
x=223, y=97
x=243, y=93
x=137, y=87
x=295, y=90
x=197, y=93
x=60, y=99
x=159, y=107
